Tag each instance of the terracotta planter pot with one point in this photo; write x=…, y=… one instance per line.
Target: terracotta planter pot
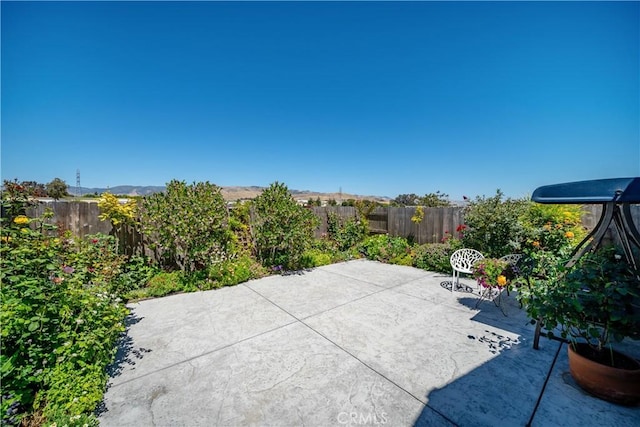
x=621, y=386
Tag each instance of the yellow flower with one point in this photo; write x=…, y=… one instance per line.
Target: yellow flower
x=547, y=227
x=6, y=239
x=502, y=280
x=21, y=219
x=569, y=235
x=536, y=244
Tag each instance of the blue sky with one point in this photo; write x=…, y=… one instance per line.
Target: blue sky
x=374, y=98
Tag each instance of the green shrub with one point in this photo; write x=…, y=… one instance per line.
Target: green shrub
x=233, y=271
x=189, y=225
x=162, y=284
x=136, y=273
x=493, y=226
x=60, y=321
x=282, y=230
x=346, y=233
x=554, y=228
x=435, y=256
x=240, y=225
x=316, y=258
x=385, y=248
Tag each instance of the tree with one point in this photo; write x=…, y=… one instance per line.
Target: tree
x=435, y=200
x=406, y=200
x=57, y=189
x=34, y=189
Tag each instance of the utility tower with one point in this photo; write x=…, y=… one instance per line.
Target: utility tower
x=78, y=183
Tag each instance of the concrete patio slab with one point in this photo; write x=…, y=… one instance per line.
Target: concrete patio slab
x=442, y=356
x=576, y=405
x=355, y=343
x=377, y=273
x=287, y=377
x=170, y=330
x=311, y=292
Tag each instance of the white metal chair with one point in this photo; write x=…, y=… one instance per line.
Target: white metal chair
x=512, y=258
x=462, y=261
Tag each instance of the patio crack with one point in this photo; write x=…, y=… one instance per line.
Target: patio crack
x=544, y=386
x=366, y=365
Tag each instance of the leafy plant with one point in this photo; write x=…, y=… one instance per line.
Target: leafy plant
x=554, y=228
x=282, y=230
x=59, y=323
x=346, y=233
x=595, y=301
x=494, y=226
x=493, y=272
x=385, y=248
x=316, y=258
x=188, y=225
x=435, y=256
x=16, y=198
x=233, y=271
x=112, y=210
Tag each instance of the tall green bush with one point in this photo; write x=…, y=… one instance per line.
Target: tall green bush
x=282, y=230
x=189, y=225
x=494, y=226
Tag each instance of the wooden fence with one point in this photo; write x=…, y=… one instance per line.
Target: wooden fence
x=397, y=221
x=81, y=217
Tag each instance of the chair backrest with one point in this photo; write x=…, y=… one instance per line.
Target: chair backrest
x=512, y=258
x=463, y=259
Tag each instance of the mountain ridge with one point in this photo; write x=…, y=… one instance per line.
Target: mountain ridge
x=230, y=193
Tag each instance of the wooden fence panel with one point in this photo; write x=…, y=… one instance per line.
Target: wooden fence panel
x=344, y=212
x=379, y=220
x=81, y=218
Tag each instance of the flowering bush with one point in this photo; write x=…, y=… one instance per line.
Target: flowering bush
x=493, y=272
x=59, y=323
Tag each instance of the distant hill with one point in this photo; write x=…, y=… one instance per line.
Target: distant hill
x=129, y=190
x=229, y=193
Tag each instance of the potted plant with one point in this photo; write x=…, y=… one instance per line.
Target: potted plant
x=592, y=304
x=493, y=276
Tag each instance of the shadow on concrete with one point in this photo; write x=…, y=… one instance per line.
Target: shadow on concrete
x=504, y=390
x=126, y=355
x=462, y=287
